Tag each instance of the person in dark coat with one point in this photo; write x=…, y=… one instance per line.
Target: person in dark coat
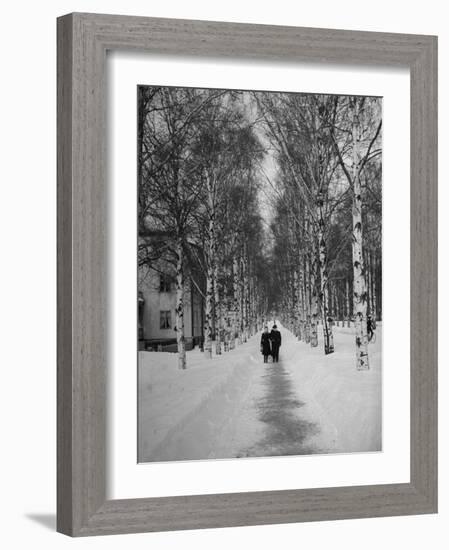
x=275, y=337
x=370, y=327
x=265, y=346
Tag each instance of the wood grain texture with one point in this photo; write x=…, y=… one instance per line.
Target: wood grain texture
x=83, y=40
x=423, y=274
x=64, y=277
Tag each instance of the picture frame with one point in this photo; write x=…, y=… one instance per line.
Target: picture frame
x=82, y=506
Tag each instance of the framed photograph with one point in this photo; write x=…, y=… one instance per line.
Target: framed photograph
x=247, y=274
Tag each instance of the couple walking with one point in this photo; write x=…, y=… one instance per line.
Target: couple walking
x=270, y=344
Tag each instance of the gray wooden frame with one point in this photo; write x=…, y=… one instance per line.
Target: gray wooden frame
x=83, y=40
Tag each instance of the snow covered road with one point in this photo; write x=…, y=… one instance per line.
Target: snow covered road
x=236, y=406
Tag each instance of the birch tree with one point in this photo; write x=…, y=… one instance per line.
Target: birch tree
x=362, y=148
x=170, y=185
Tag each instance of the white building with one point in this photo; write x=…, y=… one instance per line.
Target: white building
x=157, y=319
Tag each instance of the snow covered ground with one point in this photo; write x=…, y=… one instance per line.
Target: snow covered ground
x=235, y=405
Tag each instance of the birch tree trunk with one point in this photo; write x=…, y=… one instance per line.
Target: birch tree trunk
x=246, y=298
x=242, y=301
x=374, y=287
x=227, y=310
x=180, y=338
x=218, y=311
x=315, y=308
x=303, y=309
x=252, y=315
x=237, y=318
x=368, y=282
x=300, y=305
x=324, y=291
x=307, y=296
x=359, y=290
x=348, y=311
x=335, y=313
x=209, y=311
x=296, y=303
x=256, y=306
x=291, y=305
x=338, y=308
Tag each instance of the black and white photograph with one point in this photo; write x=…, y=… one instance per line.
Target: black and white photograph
x=222, y=240
x=259, y=249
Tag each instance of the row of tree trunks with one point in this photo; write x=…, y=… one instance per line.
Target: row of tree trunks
x=242, y=300
x=243, y=312
x=242, y=308
x=210, y=269
x=237, y=320
x=308, y=298
x=246, y=298
x=339, y=301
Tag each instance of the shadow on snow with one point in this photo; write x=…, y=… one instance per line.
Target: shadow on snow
x=286, y=433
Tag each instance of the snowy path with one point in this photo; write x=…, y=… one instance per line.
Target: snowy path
x=237, y=406
x=286, y=431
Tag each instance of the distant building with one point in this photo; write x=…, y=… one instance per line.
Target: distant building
x=157, y=317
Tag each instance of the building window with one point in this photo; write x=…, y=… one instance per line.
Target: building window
x=164, y=283
x=165, y=320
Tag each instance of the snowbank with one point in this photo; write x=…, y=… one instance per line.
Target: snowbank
x=345, y=402
x=192, y=413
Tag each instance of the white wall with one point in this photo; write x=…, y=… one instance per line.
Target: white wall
x=27, y=301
